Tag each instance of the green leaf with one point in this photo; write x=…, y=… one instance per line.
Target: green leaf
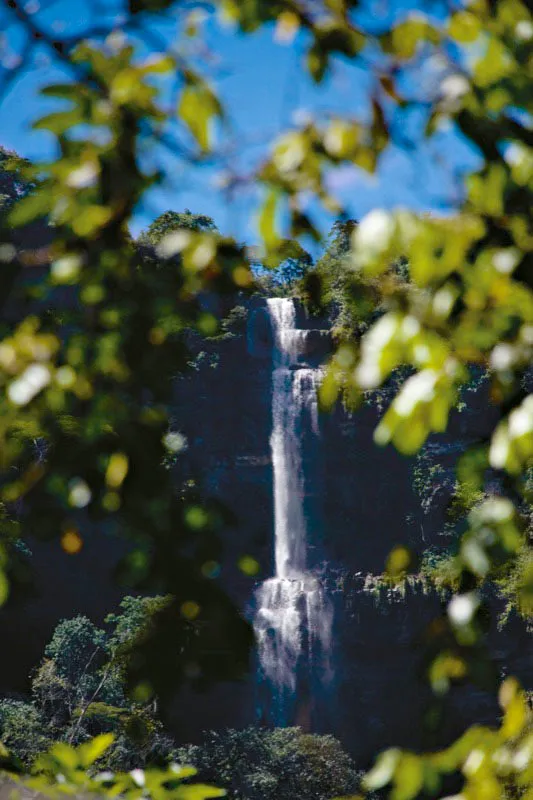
x=341, y=138
x=91, y=751
x=301, y=225
x=406, y=37
x=30, y=208
x=60, y=121
x=182, y=771
x=464, y=27
x=409, y=777
x=267, y=220
x=487, y=191
x=90, y=219
x=67, y=91
x=339, y=38
x=197, y=107
x=496, y=64
x=383, y=771
x=158, y=65
x=64, y=755
x=199, y=791
x=317, y=62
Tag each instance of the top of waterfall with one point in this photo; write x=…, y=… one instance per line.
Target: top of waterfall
x=283, y=311
x=289, y=339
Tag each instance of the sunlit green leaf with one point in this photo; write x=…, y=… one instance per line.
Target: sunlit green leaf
x=60, y=121
x=95, y=748
x=267, y=222
x=198, y=106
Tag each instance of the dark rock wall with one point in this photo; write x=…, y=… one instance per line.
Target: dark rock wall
x=363, y=493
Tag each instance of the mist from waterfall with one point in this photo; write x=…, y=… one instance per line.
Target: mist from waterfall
x=293, y=619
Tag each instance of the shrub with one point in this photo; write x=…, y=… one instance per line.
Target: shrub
x=284, y=763
x=23, y=729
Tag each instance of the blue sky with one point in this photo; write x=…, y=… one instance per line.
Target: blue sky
x=265, y=91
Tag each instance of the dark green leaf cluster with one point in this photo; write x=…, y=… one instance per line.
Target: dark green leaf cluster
x=279, y=764
x=79, y=691
x=13, y=184
x=173, y=221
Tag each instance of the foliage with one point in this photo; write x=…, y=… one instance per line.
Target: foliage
x=257, y=764
x=12, y=184
x=430, y=477
x=351, y=299
x=67, y=770
x=88, y=368
x=235, y=322
x=349, y=303
x=134, y=620
x=79, y=691
x=172, y=222
x=74, y=643
x=492, y=763
x=515, y=585
x=439, y=568
x=233, y=325
x=92, y=377
x=283, y=274
x=23, y=729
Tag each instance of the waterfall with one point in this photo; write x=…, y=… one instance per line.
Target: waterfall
x=294, y=616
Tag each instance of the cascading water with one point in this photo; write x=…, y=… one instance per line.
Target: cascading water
x=294, y=616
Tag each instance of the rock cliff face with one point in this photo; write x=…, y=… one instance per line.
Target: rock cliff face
x=361, y=495
x=359, y=501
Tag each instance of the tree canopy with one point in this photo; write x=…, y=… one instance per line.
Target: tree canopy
x=79, y=691
x=173, y=221
x=281, y=763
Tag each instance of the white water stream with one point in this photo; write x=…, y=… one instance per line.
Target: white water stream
x=294, y=616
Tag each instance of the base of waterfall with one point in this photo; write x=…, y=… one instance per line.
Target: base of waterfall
x=293, y=627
